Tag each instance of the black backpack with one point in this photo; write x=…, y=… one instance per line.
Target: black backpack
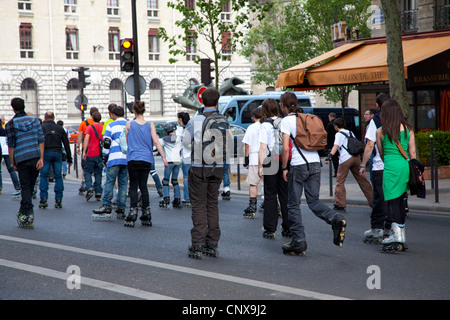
x=354, y=146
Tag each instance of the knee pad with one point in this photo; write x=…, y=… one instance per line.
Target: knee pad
x=165, y=182
x=174, y=182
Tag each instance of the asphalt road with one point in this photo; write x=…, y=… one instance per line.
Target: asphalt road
x=70, y=256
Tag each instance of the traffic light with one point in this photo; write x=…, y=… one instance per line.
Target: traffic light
x=205, y=71
x=82, y=76
x=82, y=107
x=127, y=55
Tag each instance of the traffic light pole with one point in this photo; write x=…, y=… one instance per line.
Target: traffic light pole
x=137, y=89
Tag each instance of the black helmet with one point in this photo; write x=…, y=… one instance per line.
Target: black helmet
x=170, y=126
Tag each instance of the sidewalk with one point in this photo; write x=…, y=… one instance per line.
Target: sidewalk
x=354, y=193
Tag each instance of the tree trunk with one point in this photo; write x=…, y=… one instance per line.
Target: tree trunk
x=397, y=84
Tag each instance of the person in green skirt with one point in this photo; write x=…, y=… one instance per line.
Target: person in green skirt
x=394, y=135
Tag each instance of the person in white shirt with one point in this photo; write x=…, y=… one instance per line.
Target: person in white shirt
x=347, y=163
x=275, y=187
x=303, y=174
x=251, y=145
x=379, y=206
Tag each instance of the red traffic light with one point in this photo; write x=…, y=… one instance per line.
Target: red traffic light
x=127, y=44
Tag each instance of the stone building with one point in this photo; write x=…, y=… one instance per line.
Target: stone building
x=42, y=40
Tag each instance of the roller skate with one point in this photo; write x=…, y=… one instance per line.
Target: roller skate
x=268, y=234
x=25, y=221
x=146, y=217
x=103, y=213
x=250, y=211
x=176, y=203
x=43, y=203
x=338, y=224
x=165, y=203
x=89, y=194
x=82, y=189
x=286, y=233
x=120, y=214
x=195, y=252
x=226, y=195
x=131, y=218
x=396, y=241
x=211, y=250
x=374, y=236
x=186, y=203
x=58, y=203
x=16, y=195
x=98, y=196
x=297, y=247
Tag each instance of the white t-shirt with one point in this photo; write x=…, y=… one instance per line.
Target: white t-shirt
x=266, y=134
x=371, y=134
x=251, y=138
x=342, y=140
x=289, y=126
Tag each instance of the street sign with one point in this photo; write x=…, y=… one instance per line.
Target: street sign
x=129, y=85
x=81, y=99
x=199, y=94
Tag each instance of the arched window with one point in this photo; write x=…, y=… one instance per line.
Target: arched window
x=28, y=93
x=156, y=97
x=73, y=90
x=116, y=92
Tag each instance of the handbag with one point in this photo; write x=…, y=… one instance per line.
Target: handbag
x=416, y=181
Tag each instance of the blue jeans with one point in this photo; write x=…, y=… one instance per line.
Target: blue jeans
x=155, y=176
x=52, y=159
x=12, y=173
x=226, y=176
x=171, y=171
x=185, y=165
x=119, y=172
x=300, y=178
x=93, y=165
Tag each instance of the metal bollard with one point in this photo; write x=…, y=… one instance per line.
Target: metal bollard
x=436, y=178
x=431, y=161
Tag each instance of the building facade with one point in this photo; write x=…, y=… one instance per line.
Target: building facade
x=43, y=40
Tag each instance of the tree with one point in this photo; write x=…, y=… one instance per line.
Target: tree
x=206, y=21
x=396, y=70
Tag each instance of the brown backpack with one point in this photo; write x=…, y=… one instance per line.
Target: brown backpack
x=311, y=134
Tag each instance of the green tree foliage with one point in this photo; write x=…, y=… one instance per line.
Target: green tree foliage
x=206, y=22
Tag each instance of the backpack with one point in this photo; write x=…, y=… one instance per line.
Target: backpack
x=100, y=141
x=214, y=139
x=311, y=134
x=278, y=136
x=354, y=146
x=123, y=144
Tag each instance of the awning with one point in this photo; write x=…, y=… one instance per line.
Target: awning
x=362, y=63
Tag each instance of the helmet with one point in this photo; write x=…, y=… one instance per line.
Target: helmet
x=170, y=126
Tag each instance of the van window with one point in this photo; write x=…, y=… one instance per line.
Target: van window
x=246, y=115
x=304, y=103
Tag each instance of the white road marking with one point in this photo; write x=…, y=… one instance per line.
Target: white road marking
x=196, y=272
x=85, y=281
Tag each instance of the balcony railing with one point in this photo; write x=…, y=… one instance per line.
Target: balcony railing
x=442, y=17
x=409, y=21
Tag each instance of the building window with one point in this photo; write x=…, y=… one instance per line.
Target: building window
x=153, y=45
x=191, y=48
x=28, y=93
x=112, y=7
x=116, y=92
x=73, y=90
x=190, y=4
x=226, y=48
x=26, y=44
x=24, y=5
x=113, y=43
x=226, y=11
x=70, y=6
x=72, y=43
x=152, y=8
x=156, y=97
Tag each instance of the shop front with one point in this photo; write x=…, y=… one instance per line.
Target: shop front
x=364, y=64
